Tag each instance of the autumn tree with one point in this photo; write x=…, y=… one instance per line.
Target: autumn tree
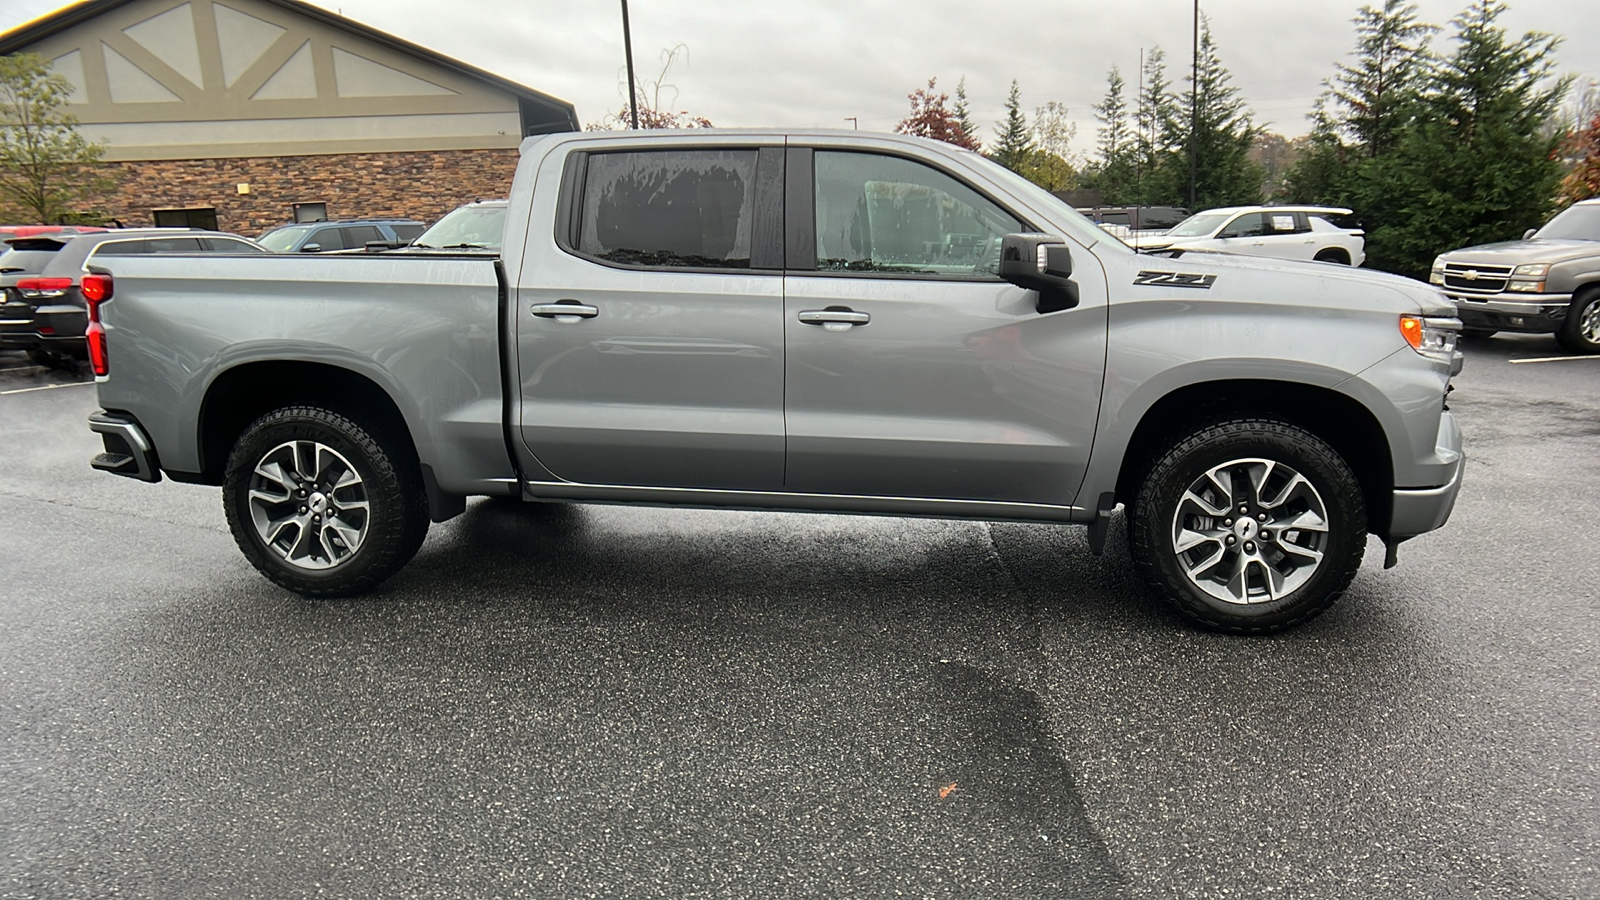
x=1583, y=181
x=653, y=97
x=46, y=166
x=930, y=118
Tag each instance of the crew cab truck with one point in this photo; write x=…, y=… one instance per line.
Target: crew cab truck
x=825, y=321
x=1548, y=282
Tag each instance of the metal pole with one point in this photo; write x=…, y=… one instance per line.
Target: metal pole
x=627, y=47
x=1194, y=104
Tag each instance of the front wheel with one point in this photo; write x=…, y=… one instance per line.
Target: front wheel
x=1249, y=526
x=1580, y=332
x=319, y=505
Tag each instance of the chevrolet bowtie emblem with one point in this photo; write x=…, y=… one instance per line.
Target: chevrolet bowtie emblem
x=1470, y=275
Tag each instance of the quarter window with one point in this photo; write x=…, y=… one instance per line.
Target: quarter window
x=672, y=208
x=887, y=214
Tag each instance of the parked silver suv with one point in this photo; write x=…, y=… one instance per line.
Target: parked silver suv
x=1547, y=282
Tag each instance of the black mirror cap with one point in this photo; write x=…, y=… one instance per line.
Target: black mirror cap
x=1043, y=263
x=310, y=248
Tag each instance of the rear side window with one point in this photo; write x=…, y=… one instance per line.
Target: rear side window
x=408, y=233
x=358, y=235
x=326, y=239
x=175, y=245
x=121, y=248
x=671, y=208
x=229, y=245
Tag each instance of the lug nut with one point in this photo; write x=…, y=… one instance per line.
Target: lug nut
x=1243, y=510
x=1262, y=517
x=1266, y=536
x=1249, y=547
x=302, y=510
x=1230, y=540
x=1227, y=523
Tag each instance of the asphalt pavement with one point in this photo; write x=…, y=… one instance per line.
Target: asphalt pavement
x=587, y=701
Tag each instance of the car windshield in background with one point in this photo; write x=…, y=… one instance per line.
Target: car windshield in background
x=1196, y=226
x=468, y=227
x=1578, y=223
x=279, y=240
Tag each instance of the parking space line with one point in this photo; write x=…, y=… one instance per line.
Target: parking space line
x=48, y=387
x=1551, y=359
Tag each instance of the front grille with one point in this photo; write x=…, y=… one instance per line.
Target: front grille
x=1476, y=278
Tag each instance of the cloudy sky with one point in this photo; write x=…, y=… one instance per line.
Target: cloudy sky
x=815, y=63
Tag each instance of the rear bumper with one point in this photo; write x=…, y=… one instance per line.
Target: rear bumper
x=128, y=451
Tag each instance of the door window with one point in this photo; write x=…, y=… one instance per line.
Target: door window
x=1287, y=223
x=886, y=214
x=669, y=208
x=357, y=235
x=326, y=239
x=1247, y=225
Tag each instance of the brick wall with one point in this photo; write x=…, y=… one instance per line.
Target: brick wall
x=421, y=185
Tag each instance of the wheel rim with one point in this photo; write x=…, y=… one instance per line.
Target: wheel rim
x=308, y=505
x=1250, y=531
x=1589, y=321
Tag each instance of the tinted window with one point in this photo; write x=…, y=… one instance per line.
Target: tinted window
x=327, y=239
x=121, y=248
x=229, y=245
x=407, y=233
x=28, y=258
x=692, y=208
x=175, y=245
x=1247, y=225
x=358, y=235
x=1286, y=223
x=886, y=214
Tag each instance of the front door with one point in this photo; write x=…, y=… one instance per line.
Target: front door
x=649, y=343
x=912, y=369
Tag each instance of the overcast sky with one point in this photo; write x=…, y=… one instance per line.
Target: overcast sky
x=815, y=63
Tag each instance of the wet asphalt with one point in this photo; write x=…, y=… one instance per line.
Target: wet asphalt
x=585, y=701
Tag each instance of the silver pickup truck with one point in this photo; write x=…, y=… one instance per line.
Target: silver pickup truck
x=822, y=321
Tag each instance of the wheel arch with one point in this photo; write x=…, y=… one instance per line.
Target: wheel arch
x=1338, y=419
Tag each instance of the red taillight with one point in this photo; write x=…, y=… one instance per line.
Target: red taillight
x=39, y=288
x=96, y=289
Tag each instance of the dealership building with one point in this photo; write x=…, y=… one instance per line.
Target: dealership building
x=234, y=112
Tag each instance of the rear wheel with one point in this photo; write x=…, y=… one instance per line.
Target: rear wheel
x=1249, y=525
x=319, y=505
x=1580, y=333
x=1333, y=256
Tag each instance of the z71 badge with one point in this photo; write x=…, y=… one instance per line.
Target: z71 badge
x=1175, y=279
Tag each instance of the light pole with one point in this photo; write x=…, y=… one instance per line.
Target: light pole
x=1194, y=102
x=627, y=48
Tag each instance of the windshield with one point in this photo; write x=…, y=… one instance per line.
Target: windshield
x=1198, y=224
x=1086, y=231
x=468, y=226
x=1577, y=223
x=282, y=240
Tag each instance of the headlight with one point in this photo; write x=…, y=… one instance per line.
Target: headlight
x=1532, y=269
x=1431, y=336
x=1436, y=274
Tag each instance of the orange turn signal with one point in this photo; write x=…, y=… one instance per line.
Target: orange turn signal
x=1411, y=330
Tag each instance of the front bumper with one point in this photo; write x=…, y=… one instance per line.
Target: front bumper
x=1417, y=511
x=1531, y=314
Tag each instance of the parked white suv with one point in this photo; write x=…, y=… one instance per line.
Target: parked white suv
x=1282, y=232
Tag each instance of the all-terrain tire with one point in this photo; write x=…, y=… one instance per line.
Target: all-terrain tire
x=322, y=505
x=1249, y=525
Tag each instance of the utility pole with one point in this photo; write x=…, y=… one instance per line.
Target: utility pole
x=627, y=48
x=1194, y=103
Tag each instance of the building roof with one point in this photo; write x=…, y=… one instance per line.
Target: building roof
x=28, y=33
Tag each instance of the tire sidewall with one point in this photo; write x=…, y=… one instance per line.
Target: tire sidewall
x=1570, y=336
x=1213, y=445
x=386, y=495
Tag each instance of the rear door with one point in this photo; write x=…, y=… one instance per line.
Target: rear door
x=912, y=369
x=649, y=327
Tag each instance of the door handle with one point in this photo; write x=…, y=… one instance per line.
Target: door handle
x=565, y=311
x=835, y=318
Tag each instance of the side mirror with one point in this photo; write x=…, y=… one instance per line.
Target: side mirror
x=310, y=248
x=1529, y=233
x=1043, y=263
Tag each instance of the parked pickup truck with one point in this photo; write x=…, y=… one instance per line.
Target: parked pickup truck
x=1547, y=282
x=825, y=321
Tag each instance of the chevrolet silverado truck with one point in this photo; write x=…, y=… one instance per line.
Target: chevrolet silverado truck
x=815, y=321
x=1548, y=282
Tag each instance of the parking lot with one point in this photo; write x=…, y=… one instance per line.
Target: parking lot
x=573, y=701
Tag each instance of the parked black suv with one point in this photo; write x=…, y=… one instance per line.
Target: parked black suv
x=43, y=310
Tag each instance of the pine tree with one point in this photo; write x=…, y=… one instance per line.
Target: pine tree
x=1374, y=95
x=1221, y=131
x=964, y=116
x=1014, y=145
x=1114, y=173
x=1475, y=165
x=1157, y=163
